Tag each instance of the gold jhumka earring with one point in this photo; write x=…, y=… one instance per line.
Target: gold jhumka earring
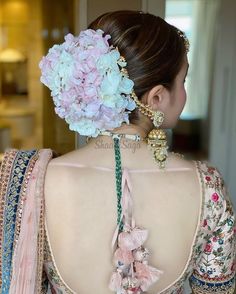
x=156, y=139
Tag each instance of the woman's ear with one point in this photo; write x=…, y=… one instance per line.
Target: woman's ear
x=157, y=98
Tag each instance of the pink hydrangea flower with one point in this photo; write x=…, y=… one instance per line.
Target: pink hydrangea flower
x=88, y=87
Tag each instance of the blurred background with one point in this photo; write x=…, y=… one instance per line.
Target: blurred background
x=207, y=126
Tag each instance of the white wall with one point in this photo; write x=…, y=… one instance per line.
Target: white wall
x=223, y=108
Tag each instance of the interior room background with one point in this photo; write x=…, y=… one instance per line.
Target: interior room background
x=207, y=126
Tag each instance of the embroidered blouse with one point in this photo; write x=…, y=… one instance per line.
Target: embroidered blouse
x=29, y=267
x=212, y=263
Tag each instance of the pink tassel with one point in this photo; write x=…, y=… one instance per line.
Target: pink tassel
x=124, y=256
x=132, y=240
x=146, y=274
x=114, y=238
x=131, y=276
x=115, y=282
x=126, y=200
x=126, y=183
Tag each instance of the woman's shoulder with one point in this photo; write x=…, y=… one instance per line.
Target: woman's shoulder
x=211, y=178
x=12, y=152
x=216, y=242
x=215, y=196
x=178, y=160
x=132, y=160
x=217, y=206
x=214, y=188
x=21, y=162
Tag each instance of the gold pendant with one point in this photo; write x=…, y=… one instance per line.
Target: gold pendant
x=157, y=141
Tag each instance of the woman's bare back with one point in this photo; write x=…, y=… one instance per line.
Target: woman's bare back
x=81, y=213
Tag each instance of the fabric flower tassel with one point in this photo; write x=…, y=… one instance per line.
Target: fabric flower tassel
x=133, y=275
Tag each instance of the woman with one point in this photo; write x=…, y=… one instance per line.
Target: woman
x=173, y=221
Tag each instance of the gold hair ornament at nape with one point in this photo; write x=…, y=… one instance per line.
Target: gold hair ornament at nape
x=186, y=41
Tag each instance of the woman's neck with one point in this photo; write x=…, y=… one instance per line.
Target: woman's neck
x=131, y=129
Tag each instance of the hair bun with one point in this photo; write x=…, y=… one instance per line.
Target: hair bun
x=88, y=82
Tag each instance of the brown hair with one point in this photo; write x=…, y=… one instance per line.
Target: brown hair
x=153, y=49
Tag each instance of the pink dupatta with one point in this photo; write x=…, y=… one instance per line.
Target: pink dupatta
x=26, y=261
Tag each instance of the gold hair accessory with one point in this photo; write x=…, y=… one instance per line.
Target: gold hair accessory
x=156, y=139
x=186, y=41
x=156, y=116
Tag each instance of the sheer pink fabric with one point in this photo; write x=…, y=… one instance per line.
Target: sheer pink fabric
x=25, y=254
x=150, y=170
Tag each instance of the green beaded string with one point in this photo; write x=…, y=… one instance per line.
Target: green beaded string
x=118, y=181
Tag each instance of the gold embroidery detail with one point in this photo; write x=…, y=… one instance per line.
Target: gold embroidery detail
x=41, y=234
x=22, y=198
x=51, y=269
x=5, y=171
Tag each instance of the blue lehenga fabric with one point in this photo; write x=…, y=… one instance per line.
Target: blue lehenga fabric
x=20, y=163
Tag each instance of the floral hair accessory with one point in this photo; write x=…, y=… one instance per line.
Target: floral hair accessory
x=89, y=83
